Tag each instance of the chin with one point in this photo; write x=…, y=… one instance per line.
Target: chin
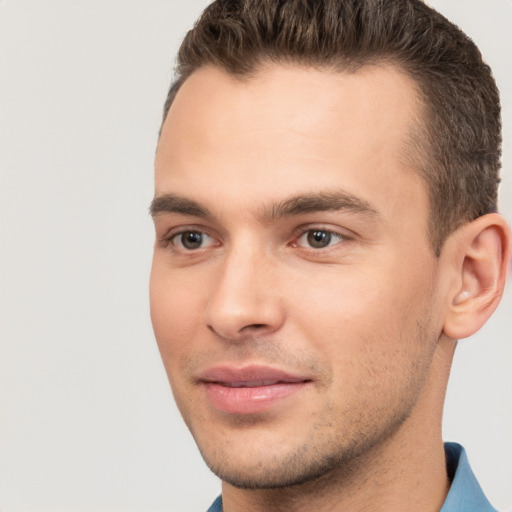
x=276, y=470
x=321, y=453
x=274, y=475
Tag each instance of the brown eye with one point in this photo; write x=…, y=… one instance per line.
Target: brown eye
x=319, y=239
x=192, y=240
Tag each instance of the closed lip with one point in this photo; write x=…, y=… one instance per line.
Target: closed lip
x=250, y=376
x=250, y=389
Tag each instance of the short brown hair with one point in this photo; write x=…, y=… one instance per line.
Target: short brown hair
x=460, y=138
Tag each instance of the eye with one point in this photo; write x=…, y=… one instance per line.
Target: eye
x=192, y=240
x=319, y=238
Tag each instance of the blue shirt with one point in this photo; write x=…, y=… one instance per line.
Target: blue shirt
x=465, y=494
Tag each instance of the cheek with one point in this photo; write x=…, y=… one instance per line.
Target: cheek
x=363, y=320
x=338, y=304
x=175, y=312
x=375, y=343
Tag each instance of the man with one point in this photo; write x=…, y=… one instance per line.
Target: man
x=326, y=229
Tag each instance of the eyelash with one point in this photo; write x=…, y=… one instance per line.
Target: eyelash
x=170, y=240
x=328, y=234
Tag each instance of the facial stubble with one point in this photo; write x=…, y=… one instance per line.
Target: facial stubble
x=328, y=453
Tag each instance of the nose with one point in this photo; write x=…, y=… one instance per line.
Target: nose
x=244, y=301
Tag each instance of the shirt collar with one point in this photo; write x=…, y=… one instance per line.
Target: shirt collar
x=465, y=494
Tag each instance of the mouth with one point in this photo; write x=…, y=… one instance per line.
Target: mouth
x=250, y=389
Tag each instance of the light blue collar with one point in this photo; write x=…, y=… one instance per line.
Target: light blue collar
x=465, y=493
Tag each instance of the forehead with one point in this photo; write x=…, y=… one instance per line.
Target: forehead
x=293, y=93
x=288, y=129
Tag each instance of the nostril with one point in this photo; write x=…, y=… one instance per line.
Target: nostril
x=255, y=327
x=238, y=335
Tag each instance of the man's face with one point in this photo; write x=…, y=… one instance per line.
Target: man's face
x=293, y=290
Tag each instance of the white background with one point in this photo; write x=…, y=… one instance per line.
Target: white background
x=87, y=422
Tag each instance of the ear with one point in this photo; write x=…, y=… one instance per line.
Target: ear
x=479, y=256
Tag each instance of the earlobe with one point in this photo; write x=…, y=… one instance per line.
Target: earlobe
x=480, y=253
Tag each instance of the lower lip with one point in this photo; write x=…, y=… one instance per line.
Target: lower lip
x=250, y=400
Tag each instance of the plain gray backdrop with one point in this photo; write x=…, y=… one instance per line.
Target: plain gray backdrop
x=87, y=420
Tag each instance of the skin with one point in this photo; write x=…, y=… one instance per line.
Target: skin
x=370, y=319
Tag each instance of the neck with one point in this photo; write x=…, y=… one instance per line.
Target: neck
x=405, y=472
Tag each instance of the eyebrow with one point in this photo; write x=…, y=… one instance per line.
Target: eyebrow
x=320, y=202
x=171, y=203
x=297, y=205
